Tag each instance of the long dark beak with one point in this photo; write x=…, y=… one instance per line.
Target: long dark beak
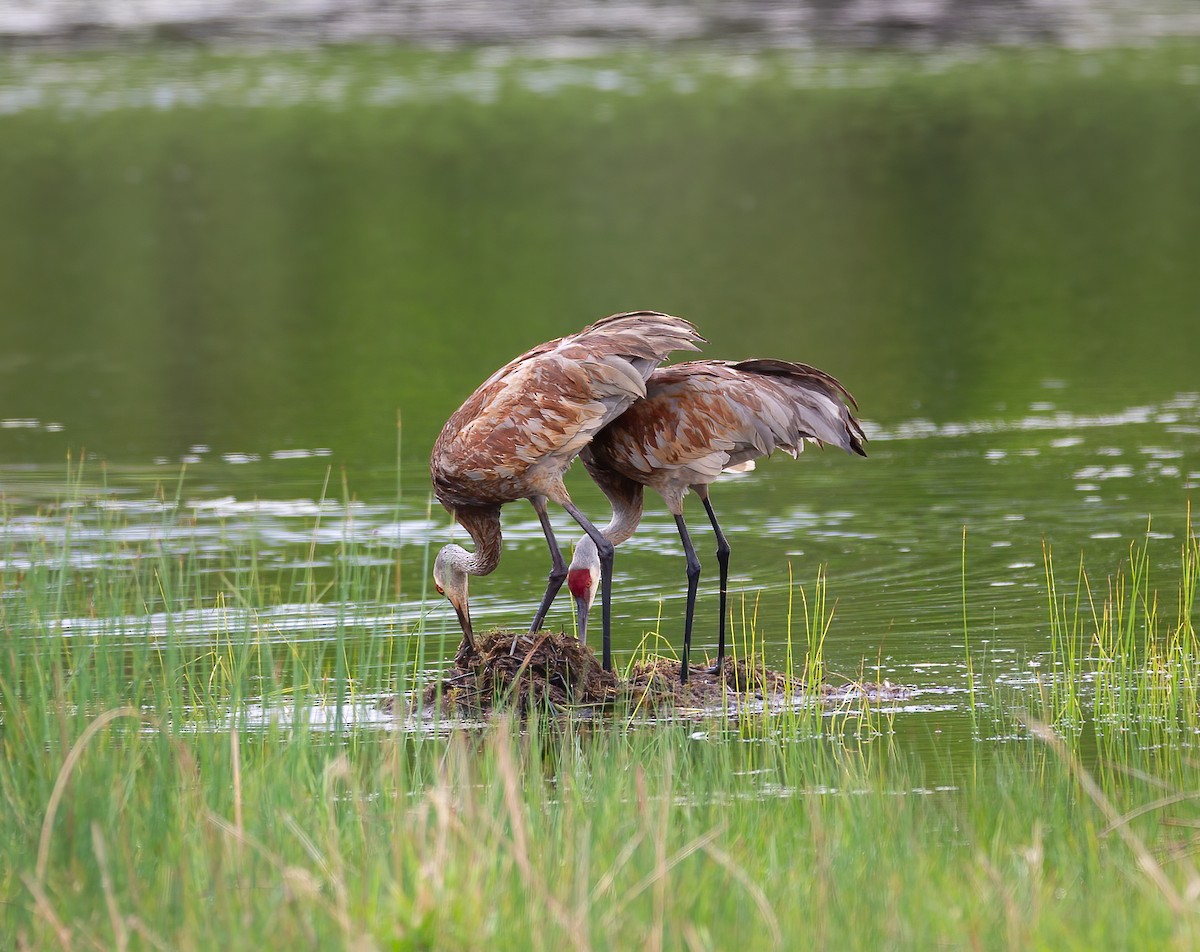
x=464, y=621
x=581, y=616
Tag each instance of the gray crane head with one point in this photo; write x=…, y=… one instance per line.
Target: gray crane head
x=583, y=578
x=450, y=578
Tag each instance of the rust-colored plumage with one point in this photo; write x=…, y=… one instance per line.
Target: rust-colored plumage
x=697, y=420
x=515, y=436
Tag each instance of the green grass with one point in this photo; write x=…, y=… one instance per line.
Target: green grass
x=1121, y=664
x=132, y=836
x=145, y=807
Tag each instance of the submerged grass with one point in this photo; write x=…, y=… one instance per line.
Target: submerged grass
x=147, y=805
x=1118, y=666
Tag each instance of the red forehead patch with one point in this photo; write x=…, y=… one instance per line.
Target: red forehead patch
x=579, y=581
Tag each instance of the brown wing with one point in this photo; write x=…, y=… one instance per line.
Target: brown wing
x=820, y=405
x=529, y=420
x=702, y=417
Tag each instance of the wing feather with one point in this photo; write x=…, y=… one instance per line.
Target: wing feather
x=702, y=417
x=528, y=421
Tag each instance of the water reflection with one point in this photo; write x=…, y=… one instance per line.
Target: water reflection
x=252, y=262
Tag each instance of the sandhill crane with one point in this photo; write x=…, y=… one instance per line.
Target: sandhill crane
x=697, y=420
x=516, y=435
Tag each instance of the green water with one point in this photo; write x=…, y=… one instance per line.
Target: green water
x=246, y=267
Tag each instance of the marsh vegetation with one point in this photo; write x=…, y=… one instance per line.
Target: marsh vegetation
x=214, y=549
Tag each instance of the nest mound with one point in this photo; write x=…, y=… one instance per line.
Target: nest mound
x=655, y=683
x=552, y=670
x=549, y=669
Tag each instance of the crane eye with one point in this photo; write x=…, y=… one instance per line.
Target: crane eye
x=440, y=590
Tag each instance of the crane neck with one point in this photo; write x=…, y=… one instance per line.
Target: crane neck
x=483, y=525
x=626, y=515
x=623, y=494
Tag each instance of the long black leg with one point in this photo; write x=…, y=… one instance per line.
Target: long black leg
x=723, y=562
x=558, y=567
x=693, y=575
x=605, y=550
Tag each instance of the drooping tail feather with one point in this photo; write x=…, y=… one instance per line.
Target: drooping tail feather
x=816, y=400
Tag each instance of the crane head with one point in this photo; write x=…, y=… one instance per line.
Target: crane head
x=583, y=578
x=450, y=579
